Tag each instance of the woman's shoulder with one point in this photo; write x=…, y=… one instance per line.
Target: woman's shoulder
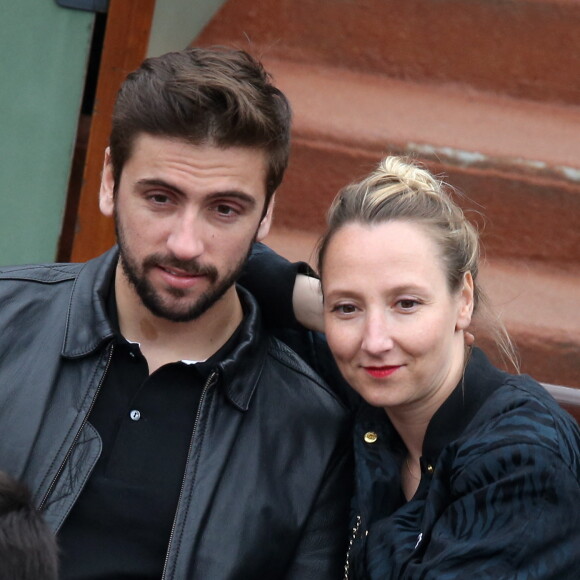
x=520, y=415
x=522, y=400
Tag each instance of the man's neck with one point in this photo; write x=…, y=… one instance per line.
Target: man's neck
x=163, y=341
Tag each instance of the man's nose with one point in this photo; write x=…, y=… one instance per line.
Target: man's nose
x=186, y=237
x=377, y=336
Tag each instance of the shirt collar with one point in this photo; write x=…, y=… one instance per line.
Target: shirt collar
x=89, y=326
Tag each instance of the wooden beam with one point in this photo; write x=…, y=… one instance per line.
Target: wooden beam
x=125, y=46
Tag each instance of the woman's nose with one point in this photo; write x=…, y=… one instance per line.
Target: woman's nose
x=377, y=334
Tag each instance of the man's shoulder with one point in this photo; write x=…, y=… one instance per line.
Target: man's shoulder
x=40, y=273
x=290, y=359
x=92, y=272
x=301, y=375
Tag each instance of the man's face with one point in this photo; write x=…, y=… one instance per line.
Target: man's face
x=186, y=216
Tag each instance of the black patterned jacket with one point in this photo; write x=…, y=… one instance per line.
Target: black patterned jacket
x=499, y=495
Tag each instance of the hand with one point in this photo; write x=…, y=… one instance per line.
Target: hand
x=307, y=302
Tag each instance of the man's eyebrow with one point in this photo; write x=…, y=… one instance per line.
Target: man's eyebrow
x=236, y=194
x=155, y=182
x=228, y=193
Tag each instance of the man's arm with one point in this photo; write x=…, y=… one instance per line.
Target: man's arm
x=276, y=284
x=307, y=302
x=288, y=293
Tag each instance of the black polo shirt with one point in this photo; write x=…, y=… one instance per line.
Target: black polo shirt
x=120, y=526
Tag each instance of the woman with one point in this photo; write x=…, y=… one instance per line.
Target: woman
x=462, y=470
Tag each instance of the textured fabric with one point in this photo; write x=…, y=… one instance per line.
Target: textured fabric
x=267, y=477
x=499, y=495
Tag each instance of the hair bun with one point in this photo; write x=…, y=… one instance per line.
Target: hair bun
x=407, y=174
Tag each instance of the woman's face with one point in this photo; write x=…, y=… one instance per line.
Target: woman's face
x=392, y=324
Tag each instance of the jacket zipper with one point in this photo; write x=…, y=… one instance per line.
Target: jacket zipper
x=78, y=434
x=209, y=383
x=355, y=530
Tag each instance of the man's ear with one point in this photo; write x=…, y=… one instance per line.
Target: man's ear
x=465, y=311
x=266, y=222
x=106, y=192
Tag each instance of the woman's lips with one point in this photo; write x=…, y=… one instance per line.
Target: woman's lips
x=381, y=372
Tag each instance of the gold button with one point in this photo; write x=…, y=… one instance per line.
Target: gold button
x=429, y=468
x=370, y=437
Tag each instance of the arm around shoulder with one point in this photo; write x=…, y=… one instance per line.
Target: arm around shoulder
x=288, y=293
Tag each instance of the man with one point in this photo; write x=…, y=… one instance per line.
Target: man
x=162, y=431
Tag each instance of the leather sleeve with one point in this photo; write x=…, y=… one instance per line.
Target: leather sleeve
x=270, y=278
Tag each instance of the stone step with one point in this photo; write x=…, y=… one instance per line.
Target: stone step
x=522, y=48
x=484, y=92
x=516, y=161
x=538, y=303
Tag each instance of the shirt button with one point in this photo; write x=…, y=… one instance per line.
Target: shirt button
x=429, y=468
x=370, y=437
x=135, y=415
x=131, y=354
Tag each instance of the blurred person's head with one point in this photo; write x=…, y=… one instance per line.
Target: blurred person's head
x=28, y=549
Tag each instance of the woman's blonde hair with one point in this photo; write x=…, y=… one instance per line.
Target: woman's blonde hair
x=402, y=190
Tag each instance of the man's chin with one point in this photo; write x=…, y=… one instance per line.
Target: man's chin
x=175, y=312
x=177, y=308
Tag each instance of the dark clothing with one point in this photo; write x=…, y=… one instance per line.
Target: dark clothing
x=500, y=486
x=126, y=509
x=270, y=278
x=499, y=492
x=266, y=479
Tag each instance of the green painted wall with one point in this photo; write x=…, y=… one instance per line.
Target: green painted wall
x=44, y=51
x=177, y=22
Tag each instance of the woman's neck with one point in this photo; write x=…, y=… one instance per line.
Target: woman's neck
x=412, y=420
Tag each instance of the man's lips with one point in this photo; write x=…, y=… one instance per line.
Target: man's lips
x=181, y=273
x=382, y=372
x=180, y=278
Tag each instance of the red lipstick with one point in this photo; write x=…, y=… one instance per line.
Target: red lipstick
x=381, y=372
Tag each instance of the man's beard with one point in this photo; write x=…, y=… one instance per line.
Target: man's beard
x=153, y=301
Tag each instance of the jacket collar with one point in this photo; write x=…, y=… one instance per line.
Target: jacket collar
x=88, y=328
x=480, y=380
x=240, y=371
x=87, y=325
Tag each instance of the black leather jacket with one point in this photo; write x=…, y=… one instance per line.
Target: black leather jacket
x=267, y=481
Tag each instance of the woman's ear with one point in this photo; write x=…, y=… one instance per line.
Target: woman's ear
x=465, y=311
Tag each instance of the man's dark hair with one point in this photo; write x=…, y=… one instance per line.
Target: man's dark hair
x=212, y=96
x=27, y=547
